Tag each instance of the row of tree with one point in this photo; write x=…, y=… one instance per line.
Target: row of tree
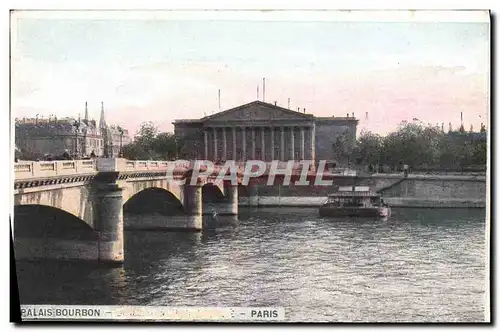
x=150, y=144
x=413, y=144
x=418, y=146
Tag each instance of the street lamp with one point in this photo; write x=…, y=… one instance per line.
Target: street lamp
x=76, y=124
x=120, y=130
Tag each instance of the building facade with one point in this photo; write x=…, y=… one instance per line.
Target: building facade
x=118, y=138
x=36, y=138
x=263, y=131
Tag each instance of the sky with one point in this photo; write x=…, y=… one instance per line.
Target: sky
x=165, y=67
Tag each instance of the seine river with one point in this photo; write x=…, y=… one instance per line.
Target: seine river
x=419, y=266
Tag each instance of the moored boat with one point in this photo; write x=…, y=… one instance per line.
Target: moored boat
x=355, y=202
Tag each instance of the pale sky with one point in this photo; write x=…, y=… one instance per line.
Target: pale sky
x=167, y=68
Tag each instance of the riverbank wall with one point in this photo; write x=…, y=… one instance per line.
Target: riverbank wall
x=422, y=191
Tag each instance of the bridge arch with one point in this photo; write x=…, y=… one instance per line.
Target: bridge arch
x=131, y=188
x=212, y=193
x=77, y=201
x=45, y=221
x=154, y=199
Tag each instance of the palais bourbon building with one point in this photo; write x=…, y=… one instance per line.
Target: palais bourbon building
x=263, y=131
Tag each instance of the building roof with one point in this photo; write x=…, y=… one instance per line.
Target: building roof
x=260, y=111
x=258, y=103
x=336, y=118
x=63, y=126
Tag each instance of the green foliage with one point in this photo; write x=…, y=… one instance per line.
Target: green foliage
x=165, y=146
x=135, y=151
x=152, y=145
x=420, y=146
x=369, y=148
x=343, y=148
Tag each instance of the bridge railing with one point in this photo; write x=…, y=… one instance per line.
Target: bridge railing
x=42, y=169
x=32, y=169
x=147, y=165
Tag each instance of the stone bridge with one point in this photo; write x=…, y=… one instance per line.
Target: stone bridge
x=95, y=192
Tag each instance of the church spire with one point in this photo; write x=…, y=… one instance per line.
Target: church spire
x=102, y=121
x=86, y=113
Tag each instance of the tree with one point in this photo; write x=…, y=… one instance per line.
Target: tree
x=343, y=149
x=413, y=144
x=368, y=149
x=146, y=136
x=134, y=151
x=151, y=144
x=479, y=153
x=182, y=150
x=165, y=146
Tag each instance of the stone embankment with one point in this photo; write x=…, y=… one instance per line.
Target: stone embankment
x=416, y=190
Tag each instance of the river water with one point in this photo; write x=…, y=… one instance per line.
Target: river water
x=419, y=266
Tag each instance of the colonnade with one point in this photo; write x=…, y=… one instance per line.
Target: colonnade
x=266, y=143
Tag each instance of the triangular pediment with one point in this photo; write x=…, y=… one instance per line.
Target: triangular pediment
x=257, y=111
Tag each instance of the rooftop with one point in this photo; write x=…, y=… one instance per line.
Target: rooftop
x=299, y=113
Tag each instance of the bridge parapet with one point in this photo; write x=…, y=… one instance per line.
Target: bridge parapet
x=124, y=165
x=27, y=170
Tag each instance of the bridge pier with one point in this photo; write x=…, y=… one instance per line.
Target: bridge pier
x=193, y=206
x=253, y=195
x=231, y=204
x=108, y=222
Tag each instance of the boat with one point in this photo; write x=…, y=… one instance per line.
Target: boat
x=355, y=202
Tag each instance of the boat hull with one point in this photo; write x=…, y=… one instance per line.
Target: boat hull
x=328, y=211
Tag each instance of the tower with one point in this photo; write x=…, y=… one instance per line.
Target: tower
x=102, y=120
x=103, y=128
x=85, y=130
x=86, y=114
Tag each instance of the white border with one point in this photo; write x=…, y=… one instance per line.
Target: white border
x=272, y=15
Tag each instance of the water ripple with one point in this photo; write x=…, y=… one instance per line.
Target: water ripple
x=420, y=266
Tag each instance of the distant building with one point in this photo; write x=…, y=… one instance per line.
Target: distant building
x=263, y=131
x=36, y=137
x=119, y=137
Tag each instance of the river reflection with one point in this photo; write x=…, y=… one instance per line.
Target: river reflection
x=420, y=265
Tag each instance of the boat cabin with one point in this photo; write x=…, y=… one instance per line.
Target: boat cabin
x=360, y=197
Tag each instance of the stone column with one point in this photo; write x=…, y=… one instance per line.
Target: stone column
x=108, y=222
x=234, y=143
x=205, y=136
x=272, y=143
x=282, y=145
x=193, y=206
x=215, y=143
x=292, y=143
x=224, y=144
x=302, y=143
x=263, y=143
x=253, y=143
x=244, y=144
